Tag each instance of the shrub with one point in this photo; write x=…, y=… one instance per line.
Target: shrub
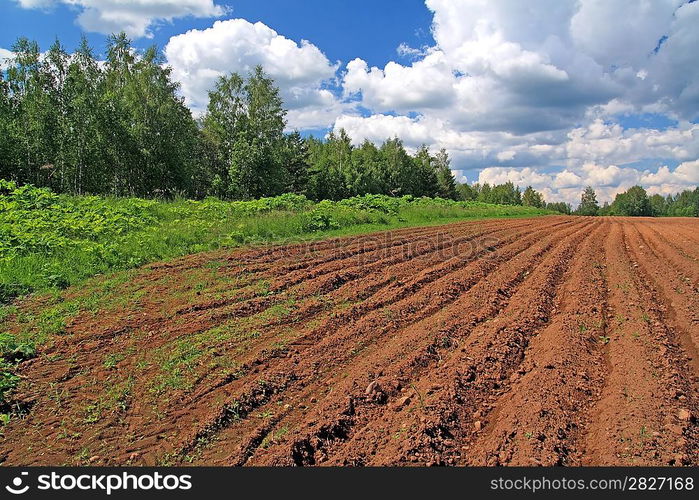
x=8, y=381
x=13, y=351
x=321, y=218
x=375, y=202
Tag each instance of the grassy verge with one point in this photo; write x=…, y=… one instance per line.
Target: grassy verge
x=48, y=241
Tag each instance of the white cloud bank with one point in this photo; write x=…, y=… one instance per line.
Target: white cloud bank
x=199, y=57
x=5, y=55
x=520, y=90
x=607, y=180
x=135, y=17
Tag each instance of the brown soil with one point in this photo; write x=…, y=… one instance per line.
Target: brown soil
x=550, y=341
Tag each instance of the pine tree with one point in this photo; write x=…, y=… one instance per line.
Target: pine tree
x=295, y=161
x=588, y=202
x=422, y=181
x=533, y=198
x=445, y=177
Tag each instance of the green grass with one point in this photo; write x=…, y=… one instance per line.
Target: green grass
x=50, y=241
x=274, y=437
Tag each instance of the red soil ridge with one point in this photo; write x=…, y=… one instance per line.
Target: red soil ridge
x=549, y=341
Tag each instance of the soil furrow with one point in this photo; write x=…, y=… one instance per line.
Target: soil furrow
x=548, y=341
x=364, y=328
x=633, y=422
x=538, y=420
x=373, y=440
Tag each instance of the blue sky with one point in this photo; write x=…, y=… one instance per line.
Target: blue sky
x=558, y=94
x=343, y=29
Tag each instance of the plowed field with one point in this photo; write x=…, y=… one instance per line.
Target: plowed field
x=555, y=340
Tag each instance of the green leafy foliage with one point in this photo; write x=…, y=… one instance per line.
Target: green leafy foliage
x=321, y=218
x=8, y=381
x=533, y=198
x=34, y=220
x=50, y=241
x=635, y=202
x=560, y=207
x=121, y=128
x=13, y=350
x=377, y=202
x=588, y=203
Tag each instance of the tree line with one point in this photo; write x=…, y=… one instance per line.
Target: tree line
x=119, y=127
x=509, y=194
x=79, y=125
x=635, y=202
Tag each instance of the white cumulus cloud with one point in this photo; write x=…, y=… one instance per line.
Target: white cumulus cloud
x=199, y=57
x=135, y=17
x=428, y=83
x=607, y=180
x=35, y=4
x=532, y=91
x=603, y=142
